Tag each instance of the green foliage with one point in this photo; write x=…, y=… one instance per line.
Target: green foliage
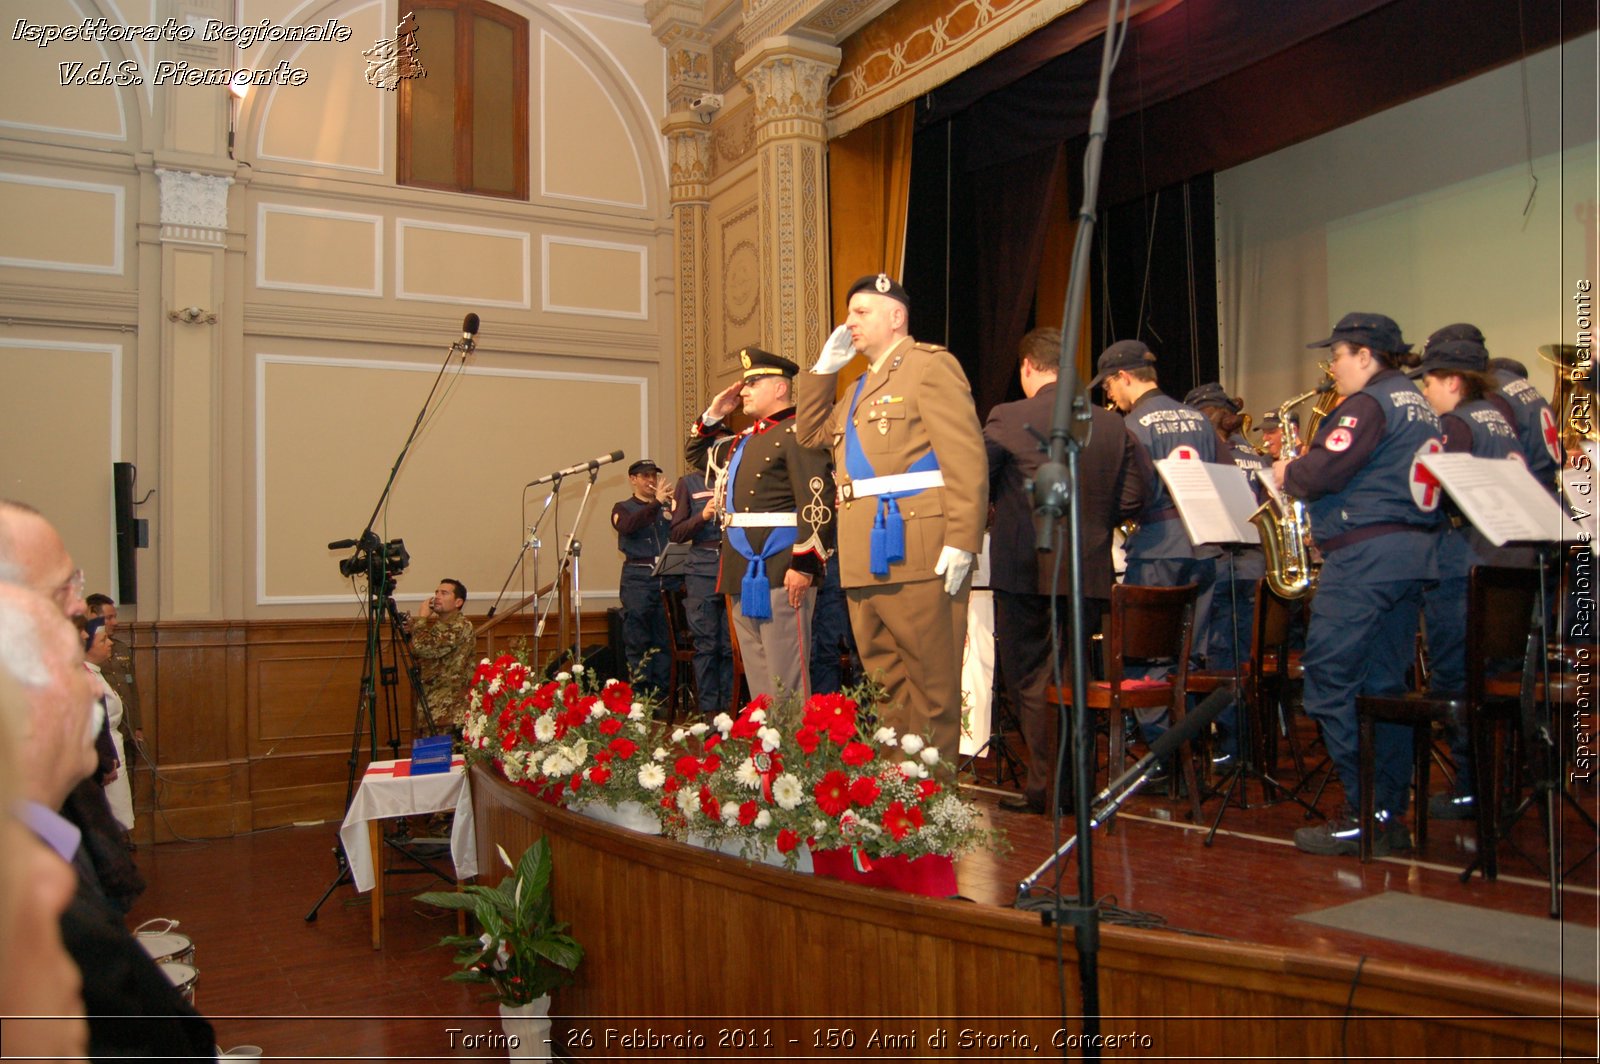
x=524, y=952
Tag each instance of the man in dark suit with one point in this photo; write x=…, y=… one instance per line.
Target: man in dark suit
x=1111, y=490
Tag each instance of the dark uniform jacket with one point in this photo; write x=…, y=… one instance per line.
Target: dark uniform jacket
x=1479, y=428
x=1112, y=491
x=642, y=529
x=775, y=474
x=1162, y=427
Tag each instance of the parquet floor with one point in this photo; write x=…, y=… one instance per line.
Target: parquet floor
x=319, y=991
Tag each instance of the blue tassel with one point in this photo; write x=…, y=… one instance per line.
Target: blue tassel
x=895, y=533
x=755, y=592
x=878, y=552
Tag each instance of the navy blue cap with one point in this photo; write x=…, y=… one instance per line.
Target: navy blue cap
x=1374, y=331
x=1124, y=354
x=880, y=284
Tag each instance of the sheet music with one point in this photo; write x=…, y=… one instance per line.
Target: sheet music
x=1214, y=500
x=1501, y=498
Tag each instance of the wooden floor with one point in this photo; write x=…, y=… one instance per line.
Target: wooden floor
x=319, y=991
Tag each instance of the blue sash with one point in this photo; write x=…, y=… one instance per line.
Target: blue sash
x=887, y=544
x=755, y=590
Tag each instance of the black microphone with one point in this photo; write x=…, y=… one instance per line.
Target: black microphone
x=342, y=544
x=581, y=467
x=469, y=332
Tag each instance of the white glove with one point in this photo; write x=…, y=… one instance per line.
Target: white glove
x=954, y=565
x=836, y=352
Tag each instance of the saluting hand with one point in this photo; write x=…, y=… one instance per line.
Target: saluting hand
x=725, y=402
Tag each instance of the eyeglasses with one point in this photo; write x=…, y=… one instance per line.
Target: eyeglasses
x=69, y=590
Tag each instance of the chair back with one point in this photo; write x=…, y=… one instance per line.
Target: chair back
x=1150, y=623
x=1502, y=628
x=1274, y=624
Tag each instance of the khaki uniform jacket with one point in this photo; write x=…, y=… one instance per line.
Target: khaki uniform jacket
x=917, y=399
x=444, y=650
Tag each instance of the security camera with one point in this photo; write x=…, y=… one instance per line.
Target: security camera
x=710, y=103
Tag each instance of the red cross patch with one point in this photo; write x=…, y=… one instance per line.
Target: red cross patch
x=1338, y=440
x=1424, y=485
x=1183, y=450
x=1552, y=440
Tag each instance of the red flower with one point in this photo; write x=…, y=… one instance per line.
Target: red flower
x=623, y=748
x=610, y=726
x=833, y=713
x=898, y=821
x=856, y=754
x=787, y=840
x=927, y=789
x=687, y=767
x=602, y=756
x=864, y=791
x=712, y=742
x=575, y=783
x=571, y=694
x=709, y=804
x=807, y=739
x=672, y=785
x=544, y=696
x=710, y=763
x=599, y=774
x=618, y=697
x=833, y=793
x=747, y=813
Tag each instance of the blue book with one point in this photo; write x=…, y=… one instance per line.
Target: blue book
x=430, y=755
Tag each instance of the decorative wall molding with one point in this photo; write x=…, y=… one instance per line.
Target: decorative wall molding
x=198, y=201
x=788, y=80
x=263, y=245
x=548, y=241
x=402, y=226
x=116, y=237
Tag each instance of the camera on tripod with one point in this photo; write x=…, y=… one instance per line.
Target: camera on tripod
x=372, y=554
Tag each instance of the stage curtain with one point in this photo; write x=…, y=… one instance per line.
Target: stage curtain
x=1055, y=269
x=1013, y=204
x=869, y=182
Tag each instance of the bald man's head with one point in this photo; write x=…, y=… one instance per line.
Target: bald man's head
x=32, y=555
x=42, y=652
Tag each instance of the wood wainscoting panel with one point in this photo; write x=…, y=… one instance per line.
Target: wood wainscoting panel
x=690, y=946
x=250, y=724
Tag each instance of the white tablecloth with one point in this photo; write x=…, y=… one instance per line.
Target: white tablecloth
x=383, y=794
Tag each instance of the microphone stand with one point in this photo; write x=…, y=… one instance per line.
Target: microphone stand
x=532, y=543
x=1056, y=492
x=569, y=564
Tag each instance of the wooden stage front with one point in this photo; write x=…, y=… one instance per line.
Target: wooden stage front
x=691, y=953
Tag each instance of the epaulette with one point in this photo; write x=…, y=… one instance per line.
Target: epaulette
x=920, y=346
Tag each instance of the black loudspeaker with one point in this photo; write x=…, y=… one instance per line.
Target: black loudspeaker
x=131, y=532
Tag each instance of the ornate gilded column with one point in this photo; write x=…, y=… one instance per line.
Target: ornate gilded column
x=788, y=82
x=689, y=161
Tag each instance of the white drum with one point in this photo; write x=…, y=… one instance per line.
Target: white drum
x=167, y=947
x=183, y=976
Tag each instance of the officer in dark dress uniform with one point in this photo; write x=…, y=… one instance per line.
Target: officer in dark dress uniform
x=643, y=523
x=1233, y=604
x=1452, y=374
x=778, y=522
x=1374, y=512
x=1160, y=553
x=694, y=521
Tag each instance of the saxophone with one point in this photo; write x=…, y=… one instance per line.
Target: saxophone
x=1286, y=528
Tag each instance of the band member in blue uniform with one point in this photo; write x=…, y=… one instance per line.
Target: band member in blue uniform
x=1160, y=553
x=778, y=525
x=1374, y=512
x=643, y=523
x=1233, y=604
x=1452, y=375
x=694, y=521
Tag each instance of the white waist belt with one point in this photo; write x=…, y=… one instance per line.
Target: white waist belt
x=869, y=486
x=743, y=520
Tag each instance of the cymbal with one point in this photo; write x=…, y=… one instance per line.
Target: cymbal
x=1563, y=355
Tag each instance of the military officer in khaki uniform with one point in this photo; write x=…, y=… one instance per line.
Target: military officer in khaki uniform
x=442, y=640
x=776, y=500
x=913, y=487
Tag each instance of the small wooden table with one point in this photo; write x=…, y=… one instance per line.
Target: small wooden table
x=388, y=790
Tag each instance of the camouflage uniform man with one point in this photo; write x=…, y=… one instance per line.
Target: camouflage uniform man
x=442, y=639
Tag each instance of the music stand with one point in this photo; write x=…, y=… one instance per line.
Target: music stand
x=674, y=561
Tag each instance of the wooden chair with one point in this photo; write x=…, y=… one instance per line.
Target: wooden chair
x=1146, y=624
x=683, y=692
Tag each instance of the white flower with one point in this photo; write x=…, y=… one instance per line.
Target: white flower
x=544, y=729
x=505, y=859
x=651, y=777
x=911, y=744
x=699, y=728
x=688, y=803
x=679, y=734
x=770, y=738
x=819, y=826
x=495, y=685
x=598, y=711
x=723, y=723
x=763, y=818
x=526, y=686
x=786, y=791
x=636, y=712
x=747, y=775
x=611, y=681
x=485, y=661
x=911, y=770
x=577, y=670
x=563, y=677
x=758, y=717
x=886, y=737
x=659, y=754
x=930, y=755
x=730, y=813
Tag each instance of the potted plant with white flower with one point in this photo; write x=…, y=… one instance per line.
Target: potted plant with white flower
x=523, y=953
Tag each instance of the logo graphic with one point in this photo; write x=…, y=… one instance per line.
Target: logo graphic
x=1424, y=485
x=1185, y=451
x=1338, y=440
x=391, y=62
x=1552, y=439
